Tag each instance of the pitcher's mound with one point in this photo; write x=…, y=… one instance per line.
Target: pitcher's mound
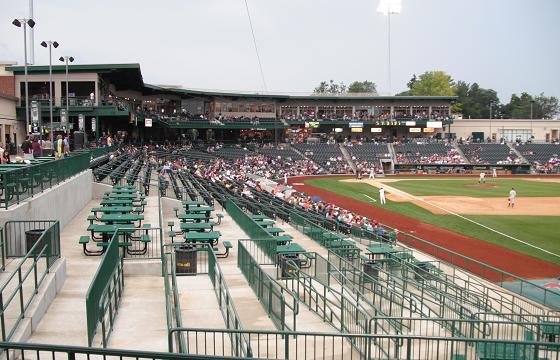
x=481, y=186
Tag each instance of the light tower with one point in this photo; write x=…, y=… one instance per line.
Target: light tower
x=389, y=7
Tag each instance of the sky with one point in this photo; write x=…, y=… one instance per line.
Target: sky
x=507, y=45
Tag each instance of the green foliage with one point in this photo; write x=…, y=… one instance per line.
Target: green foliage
x=519, y=107
x=474, y=101
x=330, y=88
x=362, y=87
x=433, y=83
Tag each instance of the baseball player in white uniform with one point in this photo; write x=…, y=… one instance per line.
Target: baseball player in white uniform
x=382, y=196
x=494, y=173
x=481, y=178
x=372, y=173
x=511, y=198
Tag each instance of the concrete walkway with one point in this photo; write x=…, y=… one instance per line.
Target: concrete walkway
x=65, y=320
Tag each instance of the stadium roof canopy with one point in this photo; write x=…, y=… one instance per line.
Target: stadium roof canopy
x=129, y=77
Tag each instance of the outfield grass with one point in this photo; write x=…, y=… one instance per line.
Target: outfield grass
x=541, y=231
x=460, y=187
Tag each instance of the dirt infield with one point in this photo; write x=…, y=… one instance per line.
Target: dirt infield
x=465, y=205
x=505, y=259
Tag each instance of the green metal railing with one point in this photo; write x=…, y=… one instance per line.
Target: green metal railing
x=2, y=249
x=227, y=306
x=21, y=285
x=105, y=292
x=29, y=351
x=323, y=346
x=270, y=294
x=20, y=183
x=172, y=305
x=102, y=151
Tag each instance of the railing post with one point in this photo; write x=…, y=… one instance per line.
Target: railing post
x=287, y=347
x=2, y=318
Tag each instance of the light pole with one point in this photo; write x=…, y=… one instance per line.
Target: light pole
x=49, y=44
x=532, y=102
x=388, y=7
x=66, y=59
x=24, y=23
x=491, y=103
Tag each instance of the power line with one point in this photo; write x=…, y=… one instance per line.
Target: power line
x=256, y=47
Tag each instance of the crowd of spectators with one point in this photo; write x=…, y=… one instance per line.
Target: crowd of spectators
x=452, y=157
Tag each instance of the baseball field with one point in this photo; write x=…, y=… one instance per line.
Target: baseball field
x=464, y=206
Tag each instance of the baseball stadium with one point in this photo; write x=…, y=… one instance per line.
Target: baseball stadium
x=149, y=221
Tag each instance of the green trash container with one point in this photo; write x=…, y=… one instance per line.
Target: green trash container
x=31, y=237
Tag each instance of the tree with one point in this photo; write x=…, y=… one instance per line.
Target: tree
x=433, y=83
x=409, y=84
x=474, y=101
x=362, y=87
x=330, y=88
x=544, y=107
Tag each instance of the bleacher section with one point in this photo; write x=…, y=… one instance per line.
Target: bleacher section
x=433, y=153
x=328, y=156
x=283, y=154
x=545, y=157
x=490, y=154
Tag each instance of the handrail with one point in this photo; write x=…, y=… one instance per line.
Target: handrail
x=46, y=247
x=24, y=182
x=321, y=345
x=229, y=314
x=247, y=265
x=74, y=352
x=108, y=280
x=550, y=297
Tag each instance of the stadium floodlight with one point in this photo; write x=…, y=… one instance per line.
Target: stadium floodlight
x=24, y=23
x=50, y=44
x=389, y=7
x=66, y=59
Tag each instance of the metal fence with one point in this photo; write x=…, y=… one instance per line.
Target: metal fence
x=105, y=292
x=20, y=183
x=15, y=351
x=277, y=301
x=2, y=249
x=21, y=285
x=319, y=346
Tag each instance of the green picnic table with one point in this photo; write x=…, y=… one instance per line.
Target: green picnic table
x=123, y=191
x=329, y=236
x=113, y=209
x=187, y=227
x=274, y=231
x=193, y=203
x=380, y=251
x=551, y=329
x=194, y=217
x=283, y=239
x=260, y=217
x=112, y=202
x=265, y=223
x=199, y=209
x=501, y=351
x=121, y=218
x=207, y=237
x=123, y=196
x=124, y=187
x=401, y=256
x=107, y=231
x=292, y=248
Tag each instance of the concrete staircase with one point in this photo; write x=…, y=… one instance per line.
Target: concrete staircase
x=348, y=158
x=512, y=148
x=392, y=152
x=456, y=147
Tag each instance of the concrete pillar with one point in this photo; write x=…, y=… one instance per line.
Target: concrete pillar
x=410, y=110
x=353, y=110
x=429, y=111
x=57, y=93
x=392, y=111
x=297, y=111
x=316, y=111
x=97, y=94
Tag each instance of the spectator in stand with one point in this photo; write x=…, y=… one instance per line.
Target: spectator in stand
x=27, y=148
x=36, y=147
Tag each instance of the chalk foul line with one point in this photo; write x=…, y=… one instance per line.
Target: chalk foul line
x=409, y=196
